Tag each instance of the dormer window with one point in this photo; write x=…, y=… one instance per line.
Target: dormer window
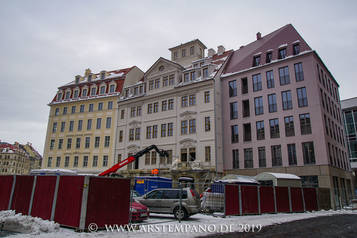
x=90, y=77
x=112, y=88
x=175, y=55
x=186, y=77
x=75, y=94
x=136, y=90
x=102, y=74
x=192, y=50
x=68, y=94
x=59, y=97
x=282, y=53
x=296, y=49
x=84, y=92
x=195, y=65
x=193, y=75
x=269, y=57
x=93, y=91
x=102, y=89
x=183, y=52
x=205, y=72
x=78, y=77
x=256, y=60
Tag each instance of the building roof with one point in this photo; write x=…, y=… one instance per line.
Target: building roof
x=349, y=103
x=285, y=36
x=190, y=42
x=267, y=175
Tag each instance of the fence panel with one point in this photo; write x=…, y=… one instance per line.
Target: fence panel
x=249, y=199
x=231, y=199
x=296, y=200
x=108, y=201
x=310, y=199
x=5, y=188
x=69, y=200
x=43, y=197
x=267, y=200
x=22, y=194
x=282, y=199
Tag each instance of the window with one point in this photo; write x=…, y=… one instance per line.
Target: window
x=111, y=88
x=262, y=157
x=282, y=53
x=100, y=106
x=286, y=99
x=69, y=143
x=269, y=57
x=73, y=109
x=85, y=161
x=232, y=85
x=120, y=136
x=95, y=161
x=138, y=111
x=193, y=75
x=156, y=107
x=186, y=77
x=149, y=108
x=183, y=127
x=157, y=83
x=305, y=124
x=234, y=134
x=192, y=124
x=244, y=85
x=246, y=108
x=207, y=124
x=66, y=161
x=184, y=101
x=137, y=133
x=163, y=130
x=207, y=97
x=171, y=79
x=108, y=122
x=96, y=141
x=151, y=84
x=81, y=108
x=131, y=134
x=147, y=158
x=99, y=123
x=153, y=157
x=59, y=97
x=256, y=60
x=272, y=102
x=284, y=75
x=122, y=114
x=205, y=73
x=192, y=50
x=91, y=107
x=274, y=128
x=78, y=143
x=80, y=125
x=257, y=82
x=106, y=141
x=171, y=104
x=58, y=162
x=148, y=132
x=175, y=55
x=165, y=81
x=52, y=144
x=64, y=110
x=105, y=160
x=63, y=126
x=247, y=132
x=164, y=105
x=183, y=52
x=260, y=130
x=60, y=143
x=296, y=49
x=207, y=153
x=68, y=94
x=49, y=162
x=192, y=100
x=84, y=93
x=170, y=129
x=233, y=110
x=308, y=152
x=270, y=79
x=289, y=126
x=276, y=155
x=248, y=158
x=235, y=158
x=54, y=127
x=299, y=73
x=154, y=131
x=132, y=111
x=258, y=102
x=302, y=97
x=89, y=124
x=75, y=162
x=292, y=154
x=71, y=125
x=110, y=105
x=87, y=142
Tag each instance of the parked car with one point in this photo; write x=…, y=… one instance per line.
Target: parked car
x=167, y=201
x=139, y=212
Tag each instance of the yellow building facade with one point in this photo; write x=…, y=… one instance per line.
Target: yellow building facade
x=81, y=125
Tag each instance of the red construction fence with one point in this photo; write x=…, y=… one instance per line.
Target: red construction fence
x=253, y=199
x=72, y=201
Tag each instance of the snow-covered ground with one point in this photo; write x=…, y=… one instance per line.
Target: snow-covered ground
x=158, y=225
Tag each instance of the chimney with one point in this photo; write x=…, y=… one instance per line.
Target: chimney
x=77, y=79
x=211, y=52
x=259, y=36
x=220, y=49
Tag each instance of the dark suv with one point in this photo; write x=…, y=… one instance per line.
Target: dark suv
x=167, y=200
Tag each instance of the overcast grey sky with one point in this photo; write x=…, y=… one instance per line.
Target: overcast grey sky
x=44, y=44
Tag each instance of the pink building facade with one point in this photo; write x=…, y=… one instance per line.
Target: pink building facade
x=281, y=113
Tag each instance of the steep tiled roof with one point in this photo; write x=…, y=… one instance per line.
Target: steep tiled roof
x=286, y=36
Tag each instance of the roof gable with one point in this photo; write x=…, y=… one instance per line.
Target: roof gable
x=162, y=62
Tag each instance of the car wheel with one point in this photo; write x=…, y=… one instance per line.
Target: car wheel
x=180, y=213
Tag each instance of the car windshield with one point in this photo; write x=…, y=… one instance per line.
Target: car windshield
x=136, y=194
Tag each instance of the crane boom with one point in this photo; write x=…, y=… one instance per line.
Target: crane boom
x=132, y=158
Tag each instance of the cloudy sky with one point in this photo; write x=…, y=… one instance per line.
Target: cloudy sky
x=44, y=44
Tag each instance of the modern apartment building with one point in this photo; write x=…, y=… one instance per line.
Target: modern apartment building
x=349, y=111
x=281, y=113
x=173, y=107
x=81, y=125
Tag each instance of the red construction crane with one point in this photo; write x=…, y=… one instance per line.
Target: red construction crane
x=132, y=158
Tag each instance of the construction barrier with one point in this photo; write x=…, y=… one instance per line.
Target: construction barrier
x=71, y=201
x=254, y=199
